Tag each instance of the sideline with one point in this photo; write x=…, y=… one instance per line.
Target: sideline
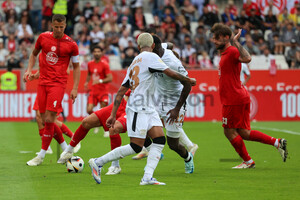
x=277, y=130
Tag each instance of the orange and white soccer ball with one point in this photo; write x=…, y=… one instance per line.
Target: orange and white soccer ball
x=75, y=164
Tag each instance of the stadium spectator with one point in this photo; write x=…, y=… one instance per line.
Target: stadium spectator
x=187, y=52
x=228, y=18
x=24, y=59
x=124, y=40
x=296, y=17
x=291, y=53
x=139, y=21
x=168, y=26
x=78, y=27
x=8, y=80
x=293, y=10
x=125, y=25
x=201, y=40
x=250, y=46
x=288, y=34
x=96, y=35
x=236, y=100
x=13, y=61
x=208, y=18
x=47, y=14
x=11, y=43
x=205, y=62
x=35, y=9
x=25, y=32
x=199, y=4
x=284, y=15
x=250, y=5
x=212, y=7
x=270, y=20
x=125, y=12
x=3, y=54
x=108, y=13
x=295, y=64
x=128, y=54
x=10, y=28
x=255, y=21
x=88, y=10
x=60, y=7
x=232, y=8
x=188, y=10
x=7, y=5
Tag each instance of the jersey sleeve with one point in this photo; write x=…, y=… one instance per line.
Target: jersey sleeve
x=107, y=69
x=38, y=45
x=75, y=51
x=156, y=64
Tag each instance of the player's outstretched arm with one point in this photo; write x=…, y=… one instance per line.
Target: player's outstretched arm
x=173, y=114
x=112, y=118
x=31, y=63
x=76, y=77
x=244, y=54
x=177, y=76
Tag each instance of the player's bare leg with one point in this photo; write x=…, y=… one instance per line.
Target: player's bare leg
x=87, y=123
x=175, y=145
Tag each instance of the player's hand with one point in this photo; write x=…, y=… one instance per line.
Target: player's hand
x=237, y=36
x=26, y=76
x=96, y=81
x=193, y=81
x=110, y=122
x=86, y=86
x=174, y=113
x=73, y=95
x=34, y=76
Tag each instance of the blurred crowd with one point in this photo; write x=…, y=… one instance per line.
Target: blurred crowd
x=114, y=25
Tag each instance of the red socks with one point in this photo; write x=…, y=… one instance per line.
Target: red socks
x=41, y=132
x=48, y=135
x=115, y=141
x=261, y=137
x=66, y=131
x=79, y=134
x=240, y=148
x=58, y=136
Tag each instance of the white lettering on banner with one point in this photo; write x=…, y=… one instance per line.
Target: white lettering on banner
x=33, y=97
x=290, y=105
x=1, y=106
x=6, y=105
x=27, y=104
x=195, y=105
x=13, y=107
x=65, y=105
x=203, y=87
x=20, y=105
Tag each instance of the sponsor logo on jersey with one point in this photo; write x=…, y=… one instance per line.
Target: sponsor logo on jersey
x=51, y=58
x=53, y=48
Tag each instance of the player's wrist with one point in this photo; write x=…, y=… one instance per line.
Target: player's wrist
x=100, y=81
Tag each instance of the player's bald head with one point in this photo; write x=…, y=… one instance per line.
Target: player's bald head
x=145, y=40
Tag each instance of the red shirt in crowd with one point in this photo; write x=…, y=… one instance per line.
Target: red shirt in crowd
x=232, y=91
x=54, y=58
x=248, y=8
x=100, y=70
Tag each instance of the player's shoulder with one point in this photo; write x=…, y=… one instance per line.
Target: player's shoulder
x=69, y=39
x=46, y=34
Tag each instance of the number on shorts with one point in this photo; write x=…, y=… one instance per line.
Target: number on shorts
x=224, y=120
x=133, y=75
x=181, y=117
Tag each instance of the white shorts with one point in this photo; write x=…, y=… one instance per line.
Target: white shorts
x=138, y=123
x=173, y=130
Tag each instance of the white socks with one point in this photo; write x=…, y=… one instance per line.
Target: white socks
x=69, y=149
x=42, y=153
x=276, y=144
x=152, y=160
x=183, y=139
x=115, y=163
x=63, y=145
x=116, y=154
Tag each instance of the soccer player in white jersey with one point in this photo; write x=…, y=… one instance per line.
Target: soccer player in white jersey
x=142, y=118
x=172, y=97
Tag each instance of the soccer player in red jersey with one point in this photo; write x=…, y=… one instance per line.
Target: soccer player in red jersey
x=57, y=49
x=235, y=98
x=98, y=119
x=99, y=71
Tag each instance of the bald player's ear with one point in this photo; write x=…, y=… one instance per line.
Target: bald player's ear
x=170, y=45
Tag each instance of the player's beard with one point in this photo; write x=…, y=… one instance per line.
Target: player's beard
x=220, y=47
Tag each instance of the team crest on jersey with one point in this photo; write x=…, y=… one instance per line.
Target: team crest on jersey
x=51, y=58
x=53, y=48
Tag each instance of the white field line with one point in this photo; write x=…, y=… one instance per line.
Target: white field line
x=277, y=130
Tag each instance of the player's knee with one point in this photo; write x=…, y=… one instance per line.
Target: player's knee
x=136, y=147
x=160, y=140
x=85, y=123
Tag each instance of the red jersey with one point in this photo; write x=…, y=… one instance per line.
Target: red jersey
x=232, y=91
x=54, y=58
x=100, y=70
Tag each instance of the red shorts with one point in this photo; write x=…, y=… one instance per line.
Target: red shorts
x=50, y=98
x=36, y=106
x=236, y=116
x=104, y=113
x=95, y=97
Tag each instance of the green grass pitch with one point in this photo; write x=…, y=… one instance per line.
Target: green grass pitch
x=213, y=177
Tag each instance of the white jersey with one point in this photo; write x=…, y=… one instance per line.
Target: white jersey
x=140, y=79
x=244, y=70
x=168, y=90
